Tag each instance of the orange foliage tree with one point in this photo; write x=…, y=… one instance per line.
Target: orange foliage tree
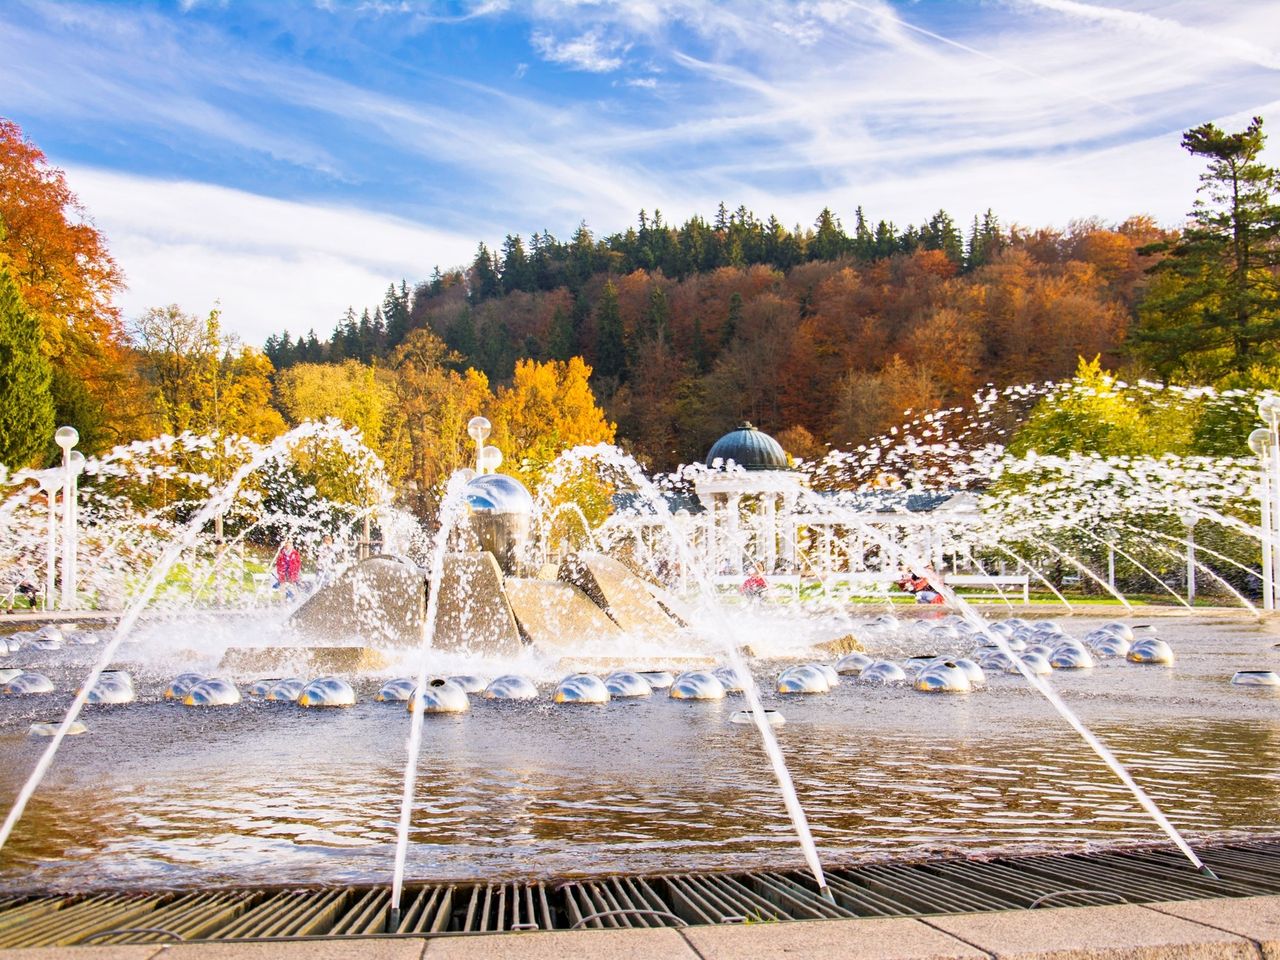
x=66, y=275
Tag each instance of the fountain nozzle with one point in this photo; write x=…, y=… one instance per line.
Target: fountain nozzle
x=393, y=919
x=827, y=895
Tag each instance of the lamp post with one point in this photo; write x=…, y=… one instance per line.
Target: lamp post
x=1261, y=443
x=1190, y=523
x=490, y=459
x=72, y=464
x=49, y=481
x=479, y=428
x=1269, y=411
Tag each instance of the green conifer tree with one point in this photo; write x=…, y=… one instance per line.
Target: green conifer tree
x=1215, y=308
x=611, y=348
x=732, y=321
x=26, y=403
x=659, y=317
x=561, y=343
x=698, y=346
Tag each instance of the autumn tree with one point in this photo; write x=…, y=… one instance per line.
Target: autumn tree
x=435, y=403
x=1217, y=309
x=1092, y=413
x=548, y=408
x=349, y=392
x=67, y=278
x=180, y=356
x=26, y=405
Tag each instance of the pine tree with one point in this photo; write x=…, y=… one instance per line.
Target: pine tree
x=864, y=244
x=940, y=233
x=561, y=343
x=581, y=254
x=732, y=321
x=516, y=274
x=722, y=217
x=26, y=403
x=986, y=240
x=659, y=316
x=698, y=347
x=461, y=335
x=829, y=239
x=395, y=313
x=611, y=348
x=484, y=280
x=1216, y=304
x=885, y=243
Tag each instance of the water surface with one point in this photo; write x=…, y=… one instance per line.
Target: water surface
x=157, y=794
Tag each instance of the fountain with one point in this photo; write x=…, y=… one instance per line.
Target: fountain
x=481, y=629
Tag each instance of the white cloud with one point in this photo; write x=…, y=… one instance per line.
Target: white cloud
x=273, y=264
x=1042, y=116
x=1168, y=31
x=587, y=51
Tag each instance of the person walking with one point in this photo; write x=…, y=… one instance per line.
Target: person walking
x=288, y=569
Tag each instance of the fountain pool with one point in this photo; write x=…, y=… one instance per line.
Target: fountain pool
x=160, y=794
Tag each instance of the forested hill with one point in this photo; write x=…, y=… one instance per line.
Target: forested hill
x=820, y=335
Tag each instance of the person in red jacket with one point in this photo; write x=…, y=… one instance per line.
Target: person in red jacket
x=921, y=587
x=288, y=568
x=755, y=586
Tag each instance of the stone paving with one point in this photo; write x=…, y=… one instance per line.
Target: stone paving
x=1242, y=929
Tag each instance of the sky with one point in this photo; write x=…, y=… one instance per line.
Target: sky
x=285, y=159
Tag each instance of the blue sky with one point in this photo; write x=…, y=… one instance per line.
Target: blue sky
x=289, y=158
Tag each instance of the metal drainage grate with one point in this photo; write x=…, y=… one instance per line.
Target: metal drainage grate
x=872, y=890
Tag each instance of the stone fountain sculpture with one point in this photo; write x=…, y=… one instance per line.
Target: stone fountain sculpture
x=487, y=606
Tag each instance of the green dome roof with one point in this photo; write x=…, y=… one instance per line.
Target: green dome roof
x=749, y=449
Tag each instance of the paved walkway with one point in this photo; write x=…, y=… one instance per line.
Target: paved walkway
x=1243, y=929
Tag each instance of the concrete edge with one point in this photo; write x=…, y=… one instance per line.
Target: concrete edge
x=852, y=933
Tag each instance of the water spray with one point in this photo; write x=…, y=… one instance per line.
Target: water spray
x=217, y=503
x=450, y=512
x=1047, y=691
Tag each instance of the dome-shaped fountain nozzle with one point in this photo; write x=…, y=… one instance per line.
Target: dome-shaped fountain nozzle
x=943, y=676
x=499, y=508
x=440, y=696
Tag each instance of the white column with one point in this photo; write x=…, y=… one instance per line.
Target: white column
x=733, y=504
x=1273, y=487
x=1268, y=576
x=68, y=598
x=769, y=530
x=790, y=531
x=1191, y=562
x=50, y=574
x=712, y=536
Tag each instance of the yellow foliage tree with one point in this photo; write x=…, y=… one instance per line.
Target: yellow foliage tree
x=550, y=408
x=356, y=395
x=245, y=396
x=435, y=404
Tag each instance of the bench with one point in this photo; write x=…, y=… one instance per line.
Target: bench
x=1021, y=584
